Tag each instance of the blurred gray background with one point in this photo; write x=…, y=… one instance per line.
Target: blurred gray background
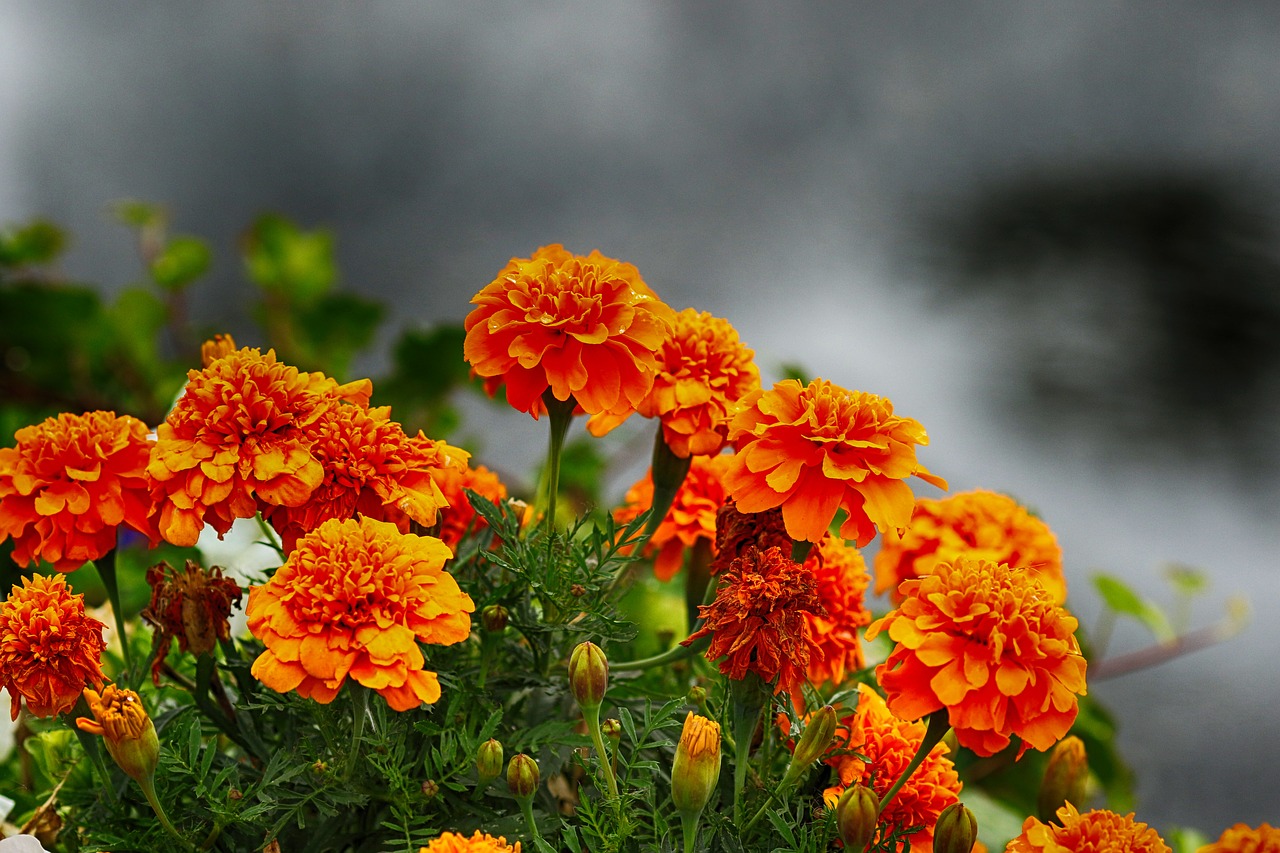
x=1046, y=231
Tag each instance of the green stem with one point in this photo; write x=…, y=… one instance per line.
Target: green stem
x=800, y=550
x=939, y=725
x=676, y=652
x=697, y=578
x=107, y=571
x=269, y=536
x=90, y=745
x=690, y=825
x=360, y=709
x=560, y=414
x=526, y=808
x=667, y=472
x=748, y=702
x=592, y=716
x=206, y=673
x=149, y=790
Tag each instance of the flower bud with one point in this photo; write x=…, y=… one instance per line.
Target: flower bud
x=215, y=348
x=856, y=815
x=697, y=695
x=612, y=729
x=494, y=618
x=956, y=830
x=1064, y=779
x=126, y=729
x=588, y=675
x=522, y=776
x=814, y=743
x=696, y=768
x=489, y=761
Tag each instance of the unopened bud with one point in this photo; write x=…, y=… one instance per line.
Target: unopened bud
x=956, y=830
x=430, y=788
x=1064, y=780
x=697, y=695
x=856, y=815
x=612, y=729
x=522, y=776
x=588, y=675
x=489, y=761
x=696, y=768
x=126, y=729
x=818, y=735
x=494, y=618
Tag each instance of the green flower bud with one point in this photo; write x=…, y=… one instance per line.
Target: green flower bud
x=522, y=776
x=956, y=830
x=612, y=729
x=696, y=768
x=814, y=743
x=856, y=815
x=494, y=618
x=489, y=761
x=1064, y=780
x=588, y=675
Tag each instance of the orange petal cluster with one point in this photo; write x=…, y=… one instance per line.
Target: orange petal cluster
x=49, y=648
x=842, y=579
x=817, y=449
x=1243, y=838
x=704, y=371
x=1098, y=831
x=479, y=842
x=69, y=483
x=582, y=327
x=354, y=599
x=460, y=517
x=370, y=467
x=874, y=747
x=987, y=643
x=238, y=440
x=758, y=620
x=691, y=519
x=980, y=523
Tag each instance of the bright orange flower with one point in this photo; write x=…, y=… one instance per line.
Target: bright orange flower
x=238, y=439
x=818, y=449
x=69, y=483
x=584, y=327
x=888, y=744
x=842, y=579
x=692, y=517
x=479, y=842
x=982, y=524
x=758, y=620
x=1242, y=838
x=704, y=371
x=49, y=648
x=1097, y=831
x=215, y=348
x=354, y=599
x=987, y=643
x=371, y=467
x=460, y=517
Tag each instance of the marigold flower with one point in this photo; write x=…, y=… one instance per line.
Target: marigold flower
x=582, y=327
x=818, y=449
x=842, y=579
x=193, y=604
x=696, y=767
x=1242, y=838
x=888, y=743
x=215, y=348
x=691, y=519
x=460, y=517
x=737, y=531
x=238, y=439
x=49, y=648
x=371, y=468
x=758, y=620
x=479, y=842
x=704, y=370
x=987, y=643
x=354, y=599
x=126, y=729
x=69, y=483
x=982, y=524
x=1099, y=831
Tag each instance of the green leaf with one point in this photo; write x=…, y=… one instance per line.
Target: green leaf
x=281, y=258
x=333, y=328
x=1186, y=580
x=181, y=262
x=1121, y=598
x=140, y=214
x=37, y=242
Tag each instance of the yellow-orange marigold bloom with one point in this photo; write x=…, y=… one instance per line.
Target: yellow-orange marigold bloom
x=479, y=842
x=816, y=449
x=1242, y=838
x=888, y=744
x=239, y=439
x=49, y=648
x=987, y=643
x=126, y=729
x=758, y=620
x=584, y=327
x=842, y=579
x=371, y=467
x=980, y=523
x=691, y=519
x=1098, y=831
x=69, y=483
x=215, y=348
x=354, y=599
x=460, y=517
x=704, y=371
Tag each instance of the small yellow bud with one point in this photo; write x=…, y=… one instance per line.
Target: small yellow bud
x=956, y=830
x=696, y=768
x=489, y=761
x=126, y=729
x=588, y=675
x=1064, y=779
x=856, y=815
x=612, y=729
x=522, y=776
x=814, y=743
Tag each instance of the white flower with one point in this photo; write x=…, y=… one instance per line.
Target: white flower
x=21, y=844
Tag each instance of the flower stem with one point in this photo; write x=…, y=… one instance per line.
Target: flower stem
x=676, y=652
x=359, y=710
x=667, y=472
x=592, y=716
x=939, y=725
x=90, y=745
x=106, y=565
x=560, y=414
x=689, y=823
x=748, y=701
x=526, y=808
x=149, y=790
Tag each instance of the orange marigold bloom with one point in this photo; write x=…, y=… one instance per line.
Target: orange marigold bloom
x=758, y=620
x=704, y=371
x=460, y=517
x=818, y=449
x=49, y=648
x=354, y=599
x=237, y=439
x=371, y=467
x=479, y=842
x=738, y=531
x=888, y=743
x=842, y=579
x=69, y=483
x=584, y=327
x=1098, y=831
x=987, y=643
x=982, y=524
x=692, y=517
x=1242, y=838
x=215, y=348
